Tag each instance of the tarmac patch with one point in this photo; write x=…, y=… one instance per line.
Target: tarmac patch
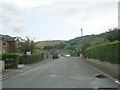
x=53, y=75
x=78, y=77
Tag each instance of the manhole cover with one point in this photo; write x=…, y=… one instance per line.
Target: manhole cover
x=100, y=76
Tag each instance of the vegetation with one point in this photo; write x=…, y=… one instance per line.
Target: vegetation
x=112, y=34
x=79, y=44
x=105, y=46
x=27, y=45
x=11, y=60
x=31, y=59
x=42, y=44
x=61, y=46
x=105, y=52
x=48, y=47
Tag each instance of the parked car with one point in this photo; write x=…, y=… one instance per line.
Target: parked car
x=68, y=55
x=55, y=56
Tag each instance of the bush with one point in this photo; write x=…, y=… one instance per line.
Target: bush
x=35, y=58
x=11, y=60
x=106, y=52
x=31, y=59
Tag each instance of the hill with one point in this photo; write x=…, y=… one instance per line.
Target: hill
x=79, y=44
x=41, y=44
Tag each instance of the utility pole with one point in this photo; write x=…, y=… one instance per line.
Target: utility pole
x=81, y=54
x=81, y=32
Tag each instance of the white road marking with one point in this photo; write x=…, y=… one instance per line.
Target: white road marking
x=117, y=82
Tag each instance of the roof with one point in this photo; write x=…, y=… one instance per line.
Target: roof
x=8, y=38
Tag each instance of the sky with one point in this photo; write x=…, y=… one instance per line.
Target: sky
x=57, y=19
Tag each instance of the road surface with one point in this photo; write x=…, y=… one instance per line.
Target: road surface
x=65, y=72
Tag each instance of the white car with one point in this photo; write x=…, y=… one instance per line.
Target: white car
x=68, y=55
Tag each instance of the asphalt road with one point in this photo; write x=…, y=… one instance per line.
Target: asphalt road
x=65, y=72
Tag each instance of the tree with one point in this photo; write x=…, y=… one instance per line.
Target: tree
x=60, y=46
x=112, y=34
x=48, y=47
x=27, y=45
x=99, y=40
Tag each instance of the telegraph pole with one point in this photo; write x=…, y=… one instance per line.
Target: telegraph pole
x=81, y=32
x=81, y=54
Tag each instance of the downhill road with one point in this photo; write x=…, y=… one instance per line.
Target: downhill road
x=65, y=72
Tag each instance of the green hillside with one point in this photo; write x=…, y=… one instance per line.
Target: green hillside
x=79, y=44
x=41, y=44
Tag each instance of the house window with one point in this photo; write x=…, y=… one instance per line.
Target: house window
x=4, y=43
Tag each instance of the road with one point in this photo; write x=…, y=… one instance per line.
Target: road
x=65, y=72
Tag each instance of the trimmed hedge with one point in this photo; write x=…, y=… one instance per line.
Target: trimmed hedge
x=109, y=52
x=26, y=59
x=11, y=60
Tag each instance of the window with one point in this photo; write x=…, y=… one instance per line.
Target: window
x=4, y=43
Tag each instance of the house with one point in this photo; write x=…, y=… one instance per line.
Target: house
x=8, y=43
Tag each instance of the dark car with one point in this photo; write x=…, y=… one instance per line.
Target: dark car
x=55, y=56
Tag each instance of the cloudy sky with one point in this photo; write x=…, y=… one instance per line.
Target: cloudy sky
x=57, y=19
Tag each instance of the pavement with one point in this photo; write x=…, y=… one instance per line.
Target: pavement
x=105, y=70
x=65, y=72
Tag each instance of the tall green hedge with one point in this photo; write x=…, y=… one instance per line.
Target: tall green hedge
x=109, y=52
x=11, y=60
x=27, y=59
x=35, y=58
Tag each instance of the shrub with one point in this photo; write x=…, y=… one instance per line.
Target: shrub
x=35, y=58
x=11, y=60
x=109, y=52
x=26, y=59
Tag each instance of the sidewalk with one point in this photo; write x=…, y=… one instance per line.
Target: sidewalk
x=112, y=73
x=8, y=73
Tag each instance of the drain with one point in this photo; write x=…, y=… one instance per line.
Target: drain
x=100, y=76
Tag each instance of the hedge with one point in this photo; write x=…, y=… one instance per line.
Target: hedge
x=11, y=60
x=109, y=52
x=27, y=59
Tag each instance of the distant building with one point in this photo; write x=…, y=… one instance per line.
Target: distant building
x=8, y=43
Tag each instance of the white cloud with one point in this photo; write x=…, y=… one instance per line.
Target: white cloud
x=27, y=3
x=84, y=1
x=82, y=14
x=36, y=3
x=12, y=17
x=86, y=14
